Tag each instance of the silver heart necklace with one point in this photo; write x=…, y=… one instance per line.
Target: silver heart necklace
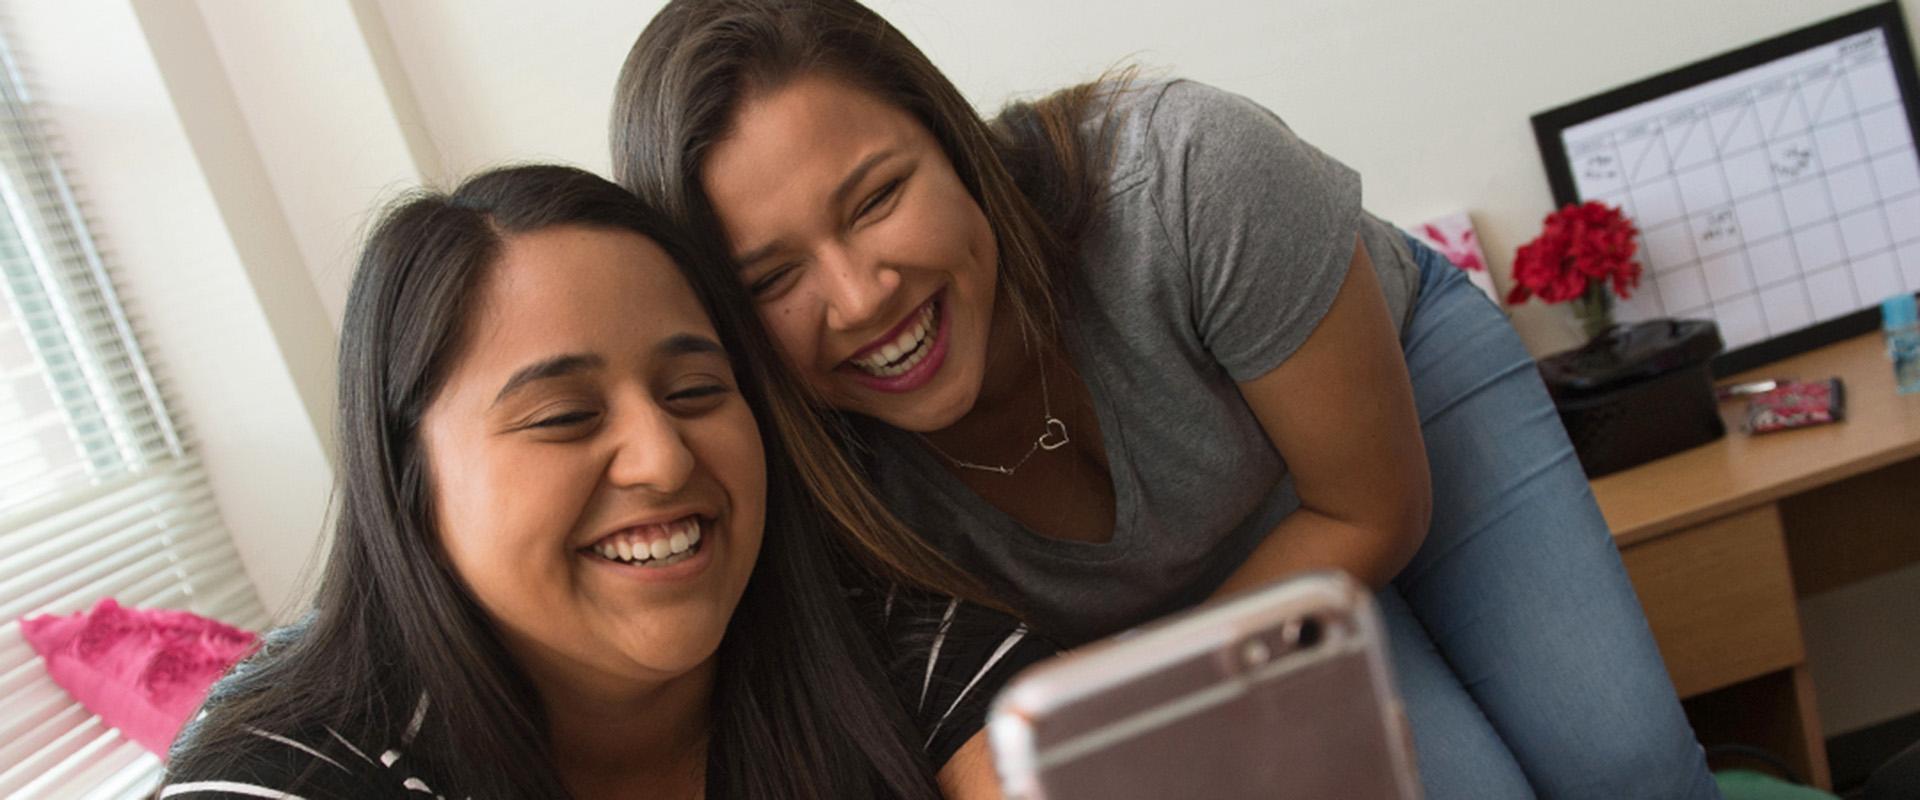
x=1053, y=436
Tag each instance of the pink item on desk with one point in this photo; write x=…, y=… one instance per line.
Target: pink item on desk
x=143, y=671
x=1454, y=237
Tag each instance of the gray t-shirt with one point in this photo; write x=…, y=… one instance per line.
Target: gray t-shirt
x=1224, y=241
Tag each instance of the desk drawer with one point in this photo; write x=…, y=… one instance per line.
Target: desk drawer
x=1719, y=597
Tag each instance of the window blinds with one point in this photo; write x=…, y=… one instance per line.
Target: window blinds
x=100, y=494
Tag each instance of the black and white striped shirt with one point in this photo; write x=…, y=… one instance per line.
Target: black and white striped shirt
x=947, y=661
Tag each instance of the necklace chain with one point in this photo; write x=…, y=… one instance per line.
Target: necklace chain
x=1050, y=425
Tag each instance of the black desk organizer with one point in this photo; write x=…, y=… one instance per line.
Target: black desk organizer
x=1637, y=392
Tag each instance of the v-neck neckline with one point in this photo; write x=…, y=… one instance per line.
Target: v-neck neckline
x=1121, y=480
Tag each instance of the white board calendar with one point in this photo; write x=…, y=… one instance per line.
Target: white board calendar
x=1776, y=189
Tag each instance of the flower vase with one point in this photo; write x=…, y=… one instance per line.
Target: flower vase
x=1593, y=309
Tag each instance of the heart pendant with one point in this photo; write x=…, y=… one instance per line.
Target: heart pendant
x=1056, y=435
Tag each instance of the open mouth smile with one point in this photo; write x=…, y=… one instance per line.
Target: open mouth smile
x=651, y=546
x=909, y=355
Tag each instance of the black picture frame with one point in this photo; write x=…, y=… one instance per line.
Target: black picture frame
x=1886, y=17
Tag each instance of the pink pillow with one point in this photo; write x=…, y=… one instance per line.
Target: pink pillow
x=144, y=671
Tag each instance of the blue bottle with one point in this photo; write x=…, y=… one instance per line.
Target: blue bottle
x=1900, y=321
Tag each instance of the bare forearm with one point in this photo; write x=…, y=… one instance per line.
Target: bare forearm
x=1340, y=410
x=969, y=774
x=1308, y=540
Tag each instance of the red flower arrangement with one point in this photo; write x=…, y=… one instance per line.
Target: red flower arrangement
x=1584, y=249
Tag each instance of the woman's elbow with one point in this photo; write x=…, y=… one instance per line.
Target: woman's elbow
x=1411, y=517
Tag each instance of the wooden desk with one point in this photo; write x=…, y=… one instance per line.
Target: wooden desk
x=1721, y=540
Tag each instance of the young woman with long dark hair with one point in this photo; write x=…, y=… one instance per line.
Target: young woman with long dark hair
x=573, y=557
x=1136, y=345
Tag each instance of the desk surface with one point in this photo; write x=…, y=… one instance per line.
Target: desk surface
x=1741, y=470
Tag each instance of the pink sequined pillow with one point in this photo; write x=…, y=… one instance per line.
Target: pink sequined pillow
x=144, y=671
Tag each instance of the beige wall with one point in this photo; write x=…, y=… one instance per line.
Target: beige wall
x=1428, y=99
x=233, y=150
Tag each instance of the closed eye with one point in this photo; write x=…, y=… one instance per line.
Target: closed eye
x=771, y=279
x=878, y=199
x=698, y=392
x=698, y=399
x=568, y=419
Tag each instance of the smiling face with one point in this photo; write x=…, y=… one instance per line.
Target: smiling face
x=871, y=264
x=597, y=479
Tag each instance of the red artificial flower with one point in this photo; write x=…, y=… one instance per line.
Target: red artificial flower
x=1580, y=245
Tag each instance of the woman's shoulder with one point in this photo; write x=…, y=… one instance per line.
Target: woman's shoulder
x=1175, y=102
x=317, y=762
x=240, y=747
x=1155, y=124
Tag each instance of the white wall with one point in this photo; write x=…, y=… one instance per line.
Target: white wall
x=143, y=120
x=308, y=85
x=233, y=151
x=1429, y=100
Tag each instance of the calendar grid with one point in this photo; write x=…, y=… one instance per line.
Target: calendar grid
x=1769, y=199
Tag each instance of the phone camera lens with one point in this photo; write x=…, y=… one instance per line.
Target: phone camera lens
x=1307, y=633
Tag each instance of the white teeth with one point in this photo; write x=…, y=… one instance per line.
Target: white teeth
x=678, y=546
x=911, y=345
x=668, y=561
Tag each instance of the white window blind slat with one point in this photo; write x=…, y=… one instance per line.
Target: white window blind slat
x=84, y=512
x=34, y=526
x=13, y=652
x=23, y=671
x=35, y=311
x=31, y=479
x=72, y=733
x=39, y=700
x=137, y=775
x=63, y=568
x=44, y=721
x=17, y=445
x=117, y=572
x=91, y=439
x=121, y=378
x=149, y=590
x=92, y=758
x=100, y=495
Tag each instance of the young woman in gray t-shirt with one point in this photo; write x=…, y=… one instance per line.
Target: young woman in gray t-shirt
x=1136, y=345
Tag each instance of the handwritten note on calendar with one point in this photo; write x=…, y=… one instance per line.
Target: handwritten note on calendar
x=1768, y=199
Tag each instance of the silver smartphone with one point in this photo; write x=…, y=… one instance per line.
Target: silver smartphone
x=1283, y=691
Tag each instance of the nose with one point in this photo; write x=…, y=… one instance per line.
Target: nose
x=650, y=452
x=857, y=287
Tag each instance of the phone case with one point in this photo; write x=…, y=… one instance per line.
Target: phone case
x=1283, y=691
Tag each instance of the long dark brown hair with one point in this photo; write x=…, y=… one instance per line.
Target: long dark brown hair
x=801, y=706
x=1036, y=174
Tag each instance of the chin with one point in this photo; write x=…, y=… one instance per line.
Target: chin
x=677, y=656
x=939, y=410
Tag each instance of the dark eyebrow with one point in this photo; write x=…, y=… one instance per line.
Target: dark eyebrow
x=757, y=253
x=858, y=174
x=838, y=198
x=549, y=368
x=683, y=344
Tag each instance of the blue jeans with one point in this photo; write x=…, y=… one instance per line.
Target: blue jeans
x=1518, y=644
